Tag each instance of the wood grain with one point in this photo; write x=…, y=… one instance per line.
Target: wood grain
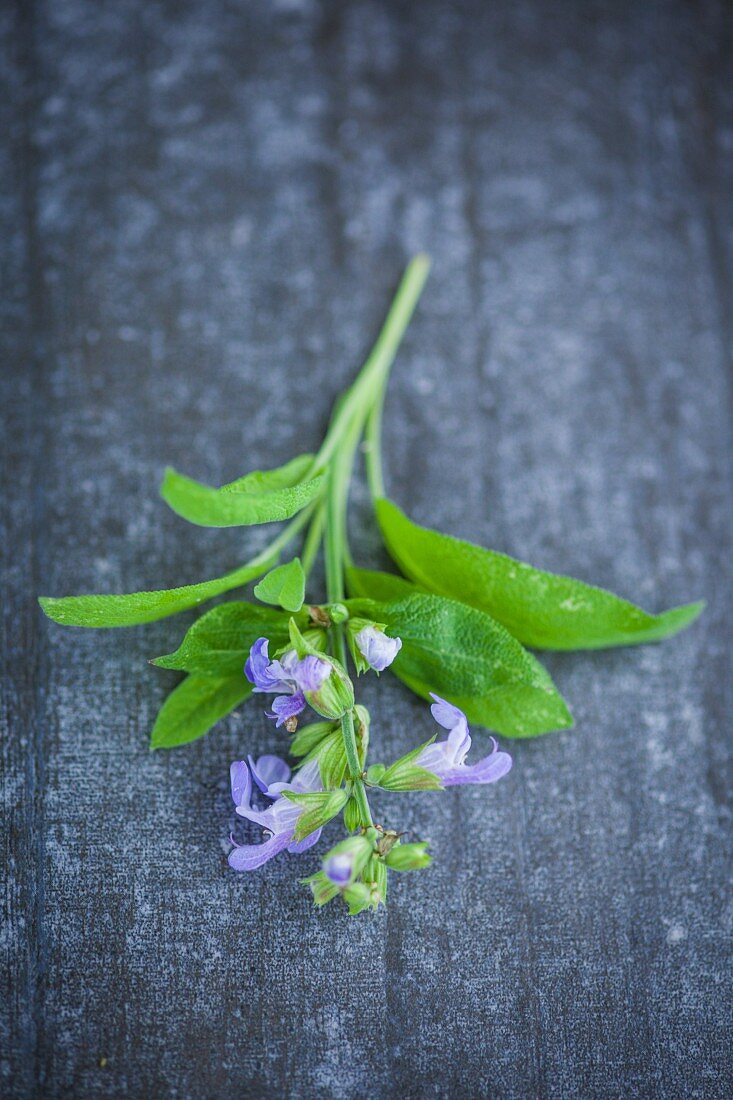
x=204, y=210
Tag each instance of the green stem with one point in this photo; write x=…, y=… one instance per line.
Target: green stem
x=354, y=764
x=313, y=538
x=335, y=553
x=373, y=446
x=353, y=407
x=376, y=368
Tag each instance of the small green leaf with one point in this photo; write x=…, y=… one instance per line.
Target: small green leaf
x=284, y=586
x=318, y=808
x=145, y=607
x=195, y=706
x=463, y=655
x=261, y=497
x=541, y=609
x=219, y=642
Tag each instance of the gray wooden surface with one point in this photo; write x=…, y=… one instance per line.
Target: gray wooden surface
x=205, y=207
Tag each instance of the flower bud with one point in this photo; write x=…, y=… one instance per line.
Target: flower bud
x=369, y=645
x=408, y=857
x=322, y=888
x=335, y=696
x=345, y=862
x=323, y=680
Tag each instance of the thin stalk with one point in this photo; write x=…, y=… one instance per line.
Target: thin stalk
x=335, y=543
x=373, y=446
x=352, y=759
x=313, y=538
x=354, y=404
x=380, y=359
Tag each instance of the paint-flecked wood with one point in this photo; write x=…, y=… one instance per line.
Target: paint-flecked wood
x=205, y=207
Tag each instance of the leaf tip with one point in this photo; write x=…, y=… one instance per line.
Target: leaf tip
x=51, y=607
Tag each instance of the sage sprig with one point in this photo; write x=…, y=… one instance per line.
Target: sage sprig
x=453, y=628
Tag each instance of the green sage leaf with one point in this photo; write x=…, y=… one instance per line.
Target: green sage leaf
x=261, y=497
x=541, y=609
x=465, y=656
x=218, y=643
x=284, y=586
x=195, y=706
x=264, y=481
x=134, y=608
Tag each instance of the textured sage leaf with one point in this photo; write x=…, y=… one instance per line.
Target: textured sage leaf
x=264, y=481
x=541, y=609
x=219, y=642
x=134, y=608
x=284, y=586
x=465, y=656
x=260, y=497
x=376, y=585
x=318, y=808
x=195, y=706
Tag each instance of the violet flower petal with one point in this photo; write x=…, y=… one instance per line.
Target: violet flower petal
x=241, y=782
x=248, y=857
x=265, y=674
x=308, y=778
x=311, y=673
x=299, y=846
x=267, y=770
x=286, y=706
x=453, y=719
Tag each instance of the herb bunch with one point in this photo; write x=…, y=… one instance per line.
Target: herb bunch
x=453, y=628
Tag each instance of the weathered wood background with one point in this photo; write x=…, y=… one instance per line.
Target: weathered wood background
x=205, y=207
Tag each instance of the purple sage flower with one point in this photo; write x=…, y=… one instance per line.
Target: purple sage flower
x=289, y=675
x=338, y=868
x=446, y=758
x=377, y=648
x=272, y=776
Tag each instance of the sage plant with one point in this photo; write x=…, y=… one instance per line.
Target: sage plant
x=452, y=627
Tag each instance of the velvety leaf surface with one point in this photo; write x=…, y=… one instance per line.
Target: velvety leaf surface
x=218, y=643
x=134, y=608
x=284, y=586
x=195, y=706
x=236, y=504
x=465, y=656
x=541, y=609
